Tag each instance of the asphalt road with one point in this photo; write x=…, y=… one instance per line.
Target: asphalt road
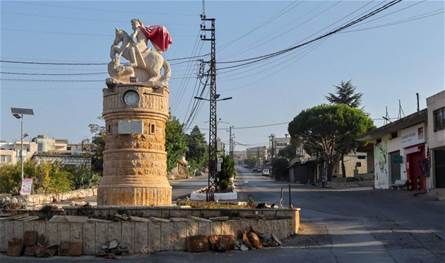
x=357, y=224
x=182, y=188
x=351, y=225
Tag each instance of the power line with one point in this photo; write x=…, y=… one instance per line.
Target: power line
x=63, y=80
x=261, y=125
x=52, y=74
x=406, y=20
x=12, y=61
x=282, y=12
x=52, y=80
x=256, y=59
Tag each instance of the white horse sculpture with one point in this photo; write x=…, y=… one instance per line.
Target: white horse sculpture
x=146, y=66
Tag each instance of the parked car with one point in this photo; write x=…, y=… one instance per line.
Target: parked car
x=266, y=172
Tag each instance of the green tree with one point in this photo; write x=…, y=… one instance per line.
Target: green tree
x=175, y=142
x=327, y=131
x=97, y=158
x=345, y=94
x=196, y=149
x=10, y=176
x=227, y=173
x=288, y=152
x=83, y=177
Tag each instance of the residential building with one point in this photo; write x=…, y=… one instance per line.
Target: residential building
x=436, y=138
x=355, y=163
x=64, y=158
x=10, y=151
x=400, y=153
x=276, y=144
x=239, y=156
x=258, y=153
x=47, y=144
x=7, y=157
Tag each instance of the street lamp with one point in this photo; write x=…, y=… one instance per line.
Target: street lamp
x=18, y=114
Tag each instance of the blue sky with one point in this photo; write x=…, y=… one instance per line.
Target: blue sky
x=387, y=59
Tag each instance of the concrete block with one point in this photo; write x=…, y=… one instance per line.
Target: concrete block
x=227, y=227
x=76, y=232
x=30, y=238
x=75, y=249
x=3, y=241
x=70, y=248
x=192, y=228
x=28, y=226
x=166, y=236
x=154, y=236
x=141, y=237
x=115, y=231
x=101, y=235
x=52, y=233
x=9, y=230
x=64, y=231
x=89, y=238
x=40, y=227
x=18, y=229
x=204, y=228
x=128, y=235
x=266, y=227
x=179, y=235
x=216, y=228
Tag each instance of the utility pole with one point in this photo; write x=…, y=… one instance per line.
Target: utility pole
x=213, y=158
x=231, y=141
x=272, y=147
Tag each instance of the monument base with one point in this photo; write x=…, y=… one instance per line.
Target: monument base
x=134, y=196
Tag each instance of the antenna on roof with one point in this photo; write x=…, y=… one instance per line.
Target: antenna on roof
x=401, y=113
x=386, y=117
x=203, y=8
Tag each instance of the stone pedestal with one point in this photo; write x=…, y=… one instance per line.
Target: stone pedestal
x=135, y=160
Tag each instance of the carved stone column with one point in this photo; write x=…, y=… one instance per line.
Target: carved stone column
x=135, y=160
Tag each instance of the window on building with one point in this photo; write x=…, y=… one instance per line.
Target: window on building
x=439, y=119
x=152, y=128
x=393, y=135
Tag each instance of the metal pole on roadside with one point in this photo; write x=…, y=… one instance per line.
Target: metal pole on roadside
x=290, y=197
x=19, y=113
x=21, y=146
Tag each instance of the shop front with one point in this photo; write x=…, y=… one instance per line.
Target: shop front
x=416, y=165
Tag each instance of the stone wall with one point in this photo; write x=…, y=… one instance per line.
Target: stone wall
x=156, y=234
x=39, y=199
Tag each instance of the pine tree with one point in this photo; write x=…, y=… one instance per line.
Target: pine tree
x=345, y=94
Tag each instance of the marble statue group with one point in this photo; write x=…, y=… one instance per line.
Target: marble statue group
x=145, y=65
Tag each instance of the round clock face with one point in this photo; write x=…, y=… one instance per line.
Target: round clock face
x=131, y=98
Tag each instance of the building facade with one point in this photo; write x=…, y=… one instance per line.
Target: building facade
x=258, y=153
x=400, y=153
x=10, y=151
x=436, y=138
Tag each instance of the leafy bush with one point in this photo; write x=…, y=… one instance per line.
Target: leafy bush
x=47, y=177
x=226, y=174
x=10, y=179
